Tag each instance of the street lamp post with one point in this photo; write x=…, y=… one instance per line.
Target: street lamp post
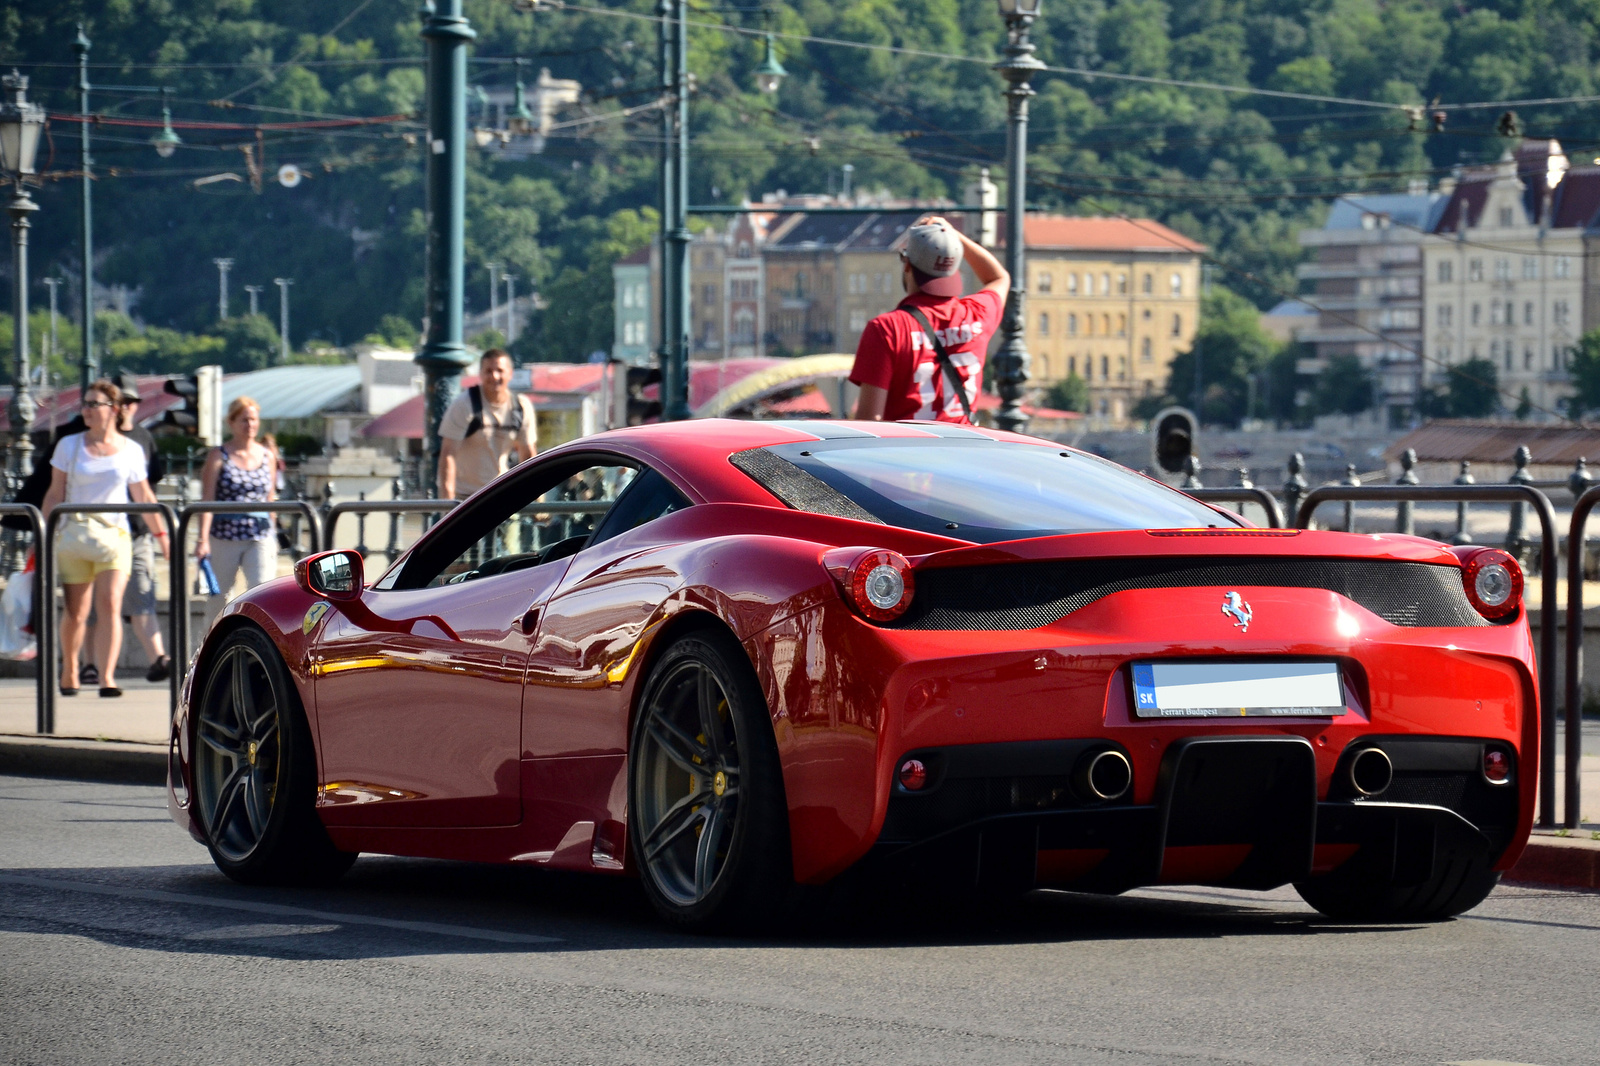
x=674, y=62
x=20, y=125
x=89, y=368
x=443, y=355
x=494, y=295
x=223, y=266
x=283, y=317
x=1018, y=67
x=511, y=306
x=255, y=294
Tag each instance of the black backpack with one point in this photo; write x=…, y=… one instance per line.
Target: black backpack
x=475, y=398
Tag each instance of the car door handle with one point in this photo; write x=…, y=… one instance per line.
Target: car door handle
x=529, y=621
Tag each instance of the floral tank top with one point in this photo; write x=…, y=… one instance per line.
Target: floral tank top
x=234, y=484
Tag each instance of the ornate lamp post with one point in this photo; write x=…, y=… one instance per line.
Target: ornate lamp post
x=770, y=74
x=443, y=355
x=1011, y=361
x=20, y=125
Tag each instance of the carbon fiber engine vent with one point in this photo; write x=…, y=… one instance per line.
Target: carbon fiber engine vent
x=1029, y=595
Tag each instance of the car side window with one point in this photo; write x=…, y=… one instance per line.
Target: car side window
x=546, y=514
x=648, y=498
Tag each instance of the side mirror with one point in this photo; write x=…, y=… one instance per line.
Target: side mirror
x=331, y=575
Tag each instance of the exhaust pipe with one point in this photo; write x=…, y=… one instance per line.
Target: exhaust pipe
x=1371, y=771
x=1103, y=775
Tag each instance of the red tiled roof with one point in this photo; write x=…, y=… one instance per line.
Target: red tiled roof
x=1102, y=234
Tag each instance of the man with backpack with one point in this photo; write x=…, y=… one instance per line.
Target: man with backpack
x=924, y=359
x=486, y=431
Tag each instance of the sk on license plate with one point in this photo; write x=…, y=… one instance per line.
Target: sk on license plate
x=1215, y=690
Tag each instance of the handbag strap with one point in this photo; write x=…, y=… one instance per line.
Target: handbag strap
x=951, y=374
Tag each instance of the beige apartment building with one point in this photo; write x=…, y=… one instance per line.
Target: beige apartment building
x=1504, y=270
x=1112, y=300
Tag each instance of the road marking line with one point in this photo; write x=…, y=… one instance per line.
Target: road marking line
x=158, y=896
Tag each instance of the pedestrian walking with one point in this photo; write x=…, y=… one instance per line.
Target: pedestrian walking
x=241, y=468
x=486, y=431
x=94, y=552
x=924, y=359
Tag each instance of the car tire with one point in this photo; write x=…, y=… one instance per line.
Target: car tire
x=708, y=822
x=1460, y=882
x=255, y=769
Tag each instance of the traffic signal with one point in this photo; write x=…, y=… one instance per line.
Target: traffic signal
x=201, y=413
x=1173, y=433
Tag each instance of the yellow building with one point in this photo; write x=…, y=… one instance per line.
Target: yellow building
x=1111, y=300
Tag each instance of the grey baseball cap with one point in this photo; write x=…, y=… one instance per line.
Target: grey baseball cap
x=935, y=253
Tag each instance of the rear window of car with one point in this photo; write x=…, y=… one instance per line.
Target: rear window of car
x=981, y=489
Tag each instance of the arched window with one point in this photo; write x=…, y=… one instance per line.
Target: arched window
x=1044, y=367
x=1177, y=284
x=1072, y=325
x=1122, y=325
x=1105, y=284
x=1072, y=284
x=1148, y=284
x=1044, y=323
x=1177, y=324
x=1105, y=368
x=1122, y=284
x=1144, y=350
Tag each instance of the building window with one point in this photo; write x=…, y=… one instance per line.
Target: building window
x=1044, y=323
x=1530, y=268
x=1105, y=368
x=1558, y=312
x=1072, y=324
x=1044, y=367
x=1072, y=364
x=1475, y=270
x=1122, y=284
x=1122, y=325
x=1144, y=350
x=1044, y=282
x=858, y=320
x=1494, y=352
x=1494, y=313
x=1505, y=216
x=1527, y=313
x=708, y=295
x=1177, y=284
x=799, y=282
x=1147, y=315
x=1444, y=354
x=1511, y=313
x=1527, y=357
x=1502, y=270
x=1105, y=284
x=1072, y=284
x=1446, y=270
x=1088, y=325
x=1563, y=266
x=1147, y=285
x=1122, y=368
x=1177, y=323
x=1477, y=314
x=1555, y=357
x=1445, y=314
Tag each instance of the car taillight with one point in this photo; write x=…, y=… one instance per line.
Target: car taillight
x=912, y=775
x=878, y=583
x=1493, y=582
x=1496, y=766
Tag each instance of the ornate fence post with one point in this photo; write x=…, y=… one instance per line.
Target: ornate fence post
x=396, y=492
x=1295, y=487
x=1517, y=530
x=1403, y=522
x=361, y=528
x=1580, y=479
x=1244, y=478
x=1464, y=478
x=1191, y=472
x=1350, y=478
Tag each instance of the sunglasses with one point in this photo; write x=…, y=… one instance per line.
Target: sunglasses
x=97, y=403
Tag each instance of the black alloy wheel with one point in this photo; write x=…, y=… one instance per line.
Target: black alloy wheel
x=255, y=769
x=708, y=822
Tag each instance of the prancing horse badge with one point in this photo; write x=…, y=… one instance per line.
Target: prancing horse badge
x=314, y=614
x=1234, y=607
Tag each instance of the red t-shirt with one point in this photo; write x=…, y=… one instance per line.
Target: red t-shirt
x=894, y=354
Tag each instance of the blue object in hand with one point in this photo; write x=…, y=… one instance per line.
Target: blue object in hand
x=208, y=578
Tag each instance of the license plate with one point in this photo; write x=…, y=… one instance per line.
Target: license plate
x=1176, y=689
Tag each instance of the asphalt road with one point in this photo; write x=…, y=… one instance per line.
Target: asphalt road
x=119, y=943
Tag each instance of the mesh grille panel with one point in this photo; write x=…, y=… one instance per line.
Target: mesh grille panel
x=1029, y=595
x=797, y=488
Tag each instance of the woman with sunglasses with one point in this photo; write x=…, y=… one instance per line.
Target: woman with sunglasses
x=94, y=551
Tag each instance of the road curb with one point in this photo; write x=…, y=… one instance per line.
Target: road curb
x=80, y=759
x=1569, y=862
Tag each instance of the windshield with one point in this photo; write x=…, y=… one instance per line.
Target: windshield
x=986, y=490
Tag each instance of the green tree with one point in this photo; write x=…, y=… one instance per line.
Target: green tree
x=1233, y=351
x=1070, y=393
x=250, y=342
x=1344, y=387
x=1583, y=367
x=1471, y=390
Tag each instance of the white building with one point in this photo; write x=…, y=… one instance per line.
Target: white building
x=1505, y=274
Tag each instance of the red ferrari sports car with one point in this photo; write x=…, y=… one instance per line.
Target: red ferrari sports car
x=733, y=658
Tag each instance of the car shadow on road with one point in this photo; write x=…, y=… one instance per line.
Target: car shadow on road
x=392, y=907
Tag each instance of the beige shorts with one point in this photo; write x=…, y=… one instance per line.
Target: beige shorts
x=78, y=570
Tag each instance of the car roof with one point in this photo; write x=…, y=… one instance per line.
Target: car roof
x=695, y=451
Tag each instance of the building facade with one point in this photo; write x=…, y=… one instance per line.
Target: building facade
x=1111, y=300
x=635, y=321
x=1505, y=270
x=1368, y=289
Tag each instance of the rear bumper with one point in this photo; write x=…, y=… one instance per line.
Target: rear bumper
x=1238, y=811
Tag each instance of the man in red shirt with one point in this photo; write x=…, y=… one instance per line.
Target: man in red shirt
x=897, y=366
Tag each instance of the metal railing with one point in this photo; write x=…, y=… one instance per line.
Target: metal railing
x=178, y=578
x=1242, y=494
x=394, y=507
x=1548, y=610
x=1574, y=752
x=45, y=612
x=43, y=714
